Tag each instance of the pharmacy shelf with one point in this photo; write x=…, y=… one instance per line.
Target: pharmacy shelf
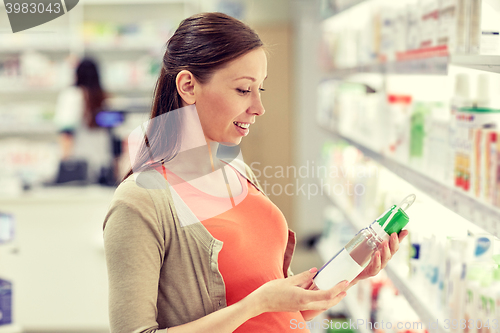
x=414, y=296
x=480, y=62
x=436, y=65
x=124, y=48
x=484, y=215
x=353, y=310
x=418, y=303
x=47, y=48
x=29, y=90
x=433, y=65
x=345, y=7
x=28, y=130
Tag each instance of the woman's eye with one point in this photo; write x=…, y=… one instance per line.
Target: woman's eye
x=243, y=92
x=262, y=89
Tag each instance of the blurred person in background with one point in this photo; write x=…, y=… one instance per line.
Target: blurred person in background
x=86, y=147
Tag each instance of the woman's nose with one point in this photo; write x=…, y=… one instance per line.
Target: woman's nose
x=257, y=107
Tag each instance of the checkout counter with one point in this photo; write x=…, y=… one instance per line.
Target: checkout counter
x=56, y=260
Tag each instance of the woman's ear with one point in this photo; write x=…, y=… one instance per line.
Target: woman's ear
x=185, y=82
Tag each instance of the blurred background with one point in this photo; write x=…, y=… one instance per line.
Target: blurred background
x=366, y=101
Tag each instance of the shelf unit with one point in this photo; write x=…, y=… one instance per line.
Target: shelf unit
x=434, y=65
x=426, y=313
x=347, y=6
x=354, y=313
x=483, y=214
x=480, y=62
x=56, y=47
x=28, y=130
x=432, y=61
x=76, y=47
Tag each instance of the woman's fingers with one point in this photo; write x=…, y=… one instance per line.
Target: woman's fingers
x=324, y=299
x=303, y=279
x=375, y=264
x=394, y=243
x=385, y=254
x=402, y=235
x=327, y=303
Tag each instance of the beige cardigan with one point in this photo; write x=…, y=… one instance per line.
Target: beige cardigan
x=162, y=268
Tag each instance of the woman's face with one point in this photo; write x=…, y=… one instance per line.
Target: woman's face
x=231, y=100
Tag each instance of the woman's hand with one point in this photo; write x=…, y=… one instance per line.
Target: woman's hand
x=379, y=260
x=289, y=295
x=381, y=257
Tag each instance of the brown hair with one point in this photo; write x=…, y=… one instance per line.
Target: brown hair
x=87, y=77
x=202, y=44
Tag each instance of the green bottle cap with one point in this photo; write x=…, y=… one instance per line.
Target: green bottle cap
x=397, y=223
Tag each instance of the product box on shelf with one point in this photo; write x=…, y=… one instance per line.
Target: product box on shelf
x=475, y=26
x=447, y=21
x=328, y=114
x=400, y=28
x=7, y=234
x=490, y=28
x=413, y=32
x=5, y=302
x=398, y=127
x=429, y=13
x=471, y=141
x=418, y=117
x=387, y=34
x=6, y=228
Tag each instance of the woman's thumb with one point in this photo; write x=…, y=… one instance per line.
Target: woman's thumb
x=303, y=277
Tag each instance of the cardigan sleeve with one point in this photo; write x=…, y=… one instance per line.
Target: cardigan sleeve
x=135, y=243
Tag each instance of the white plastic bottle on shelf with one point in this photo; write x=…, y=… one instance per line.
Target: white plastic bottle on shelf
x=475, y=26
x=490, y=28
x=455, y=281
x=495, y=296
x=459, y=133
x=356, y=255
x=416, y=267
x=441, y=264
x=475, y=273
x=398, y=127
x=436, y=142
x=453, y=24
x=483, y=98
x=429, y=23
x=487, y=302
x=413, y=32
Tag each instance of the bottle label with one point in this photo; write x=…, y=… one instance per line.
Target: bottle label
x=341, y=267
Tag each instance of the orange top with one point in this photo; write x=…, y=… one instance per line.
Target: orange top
x=254, y=233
